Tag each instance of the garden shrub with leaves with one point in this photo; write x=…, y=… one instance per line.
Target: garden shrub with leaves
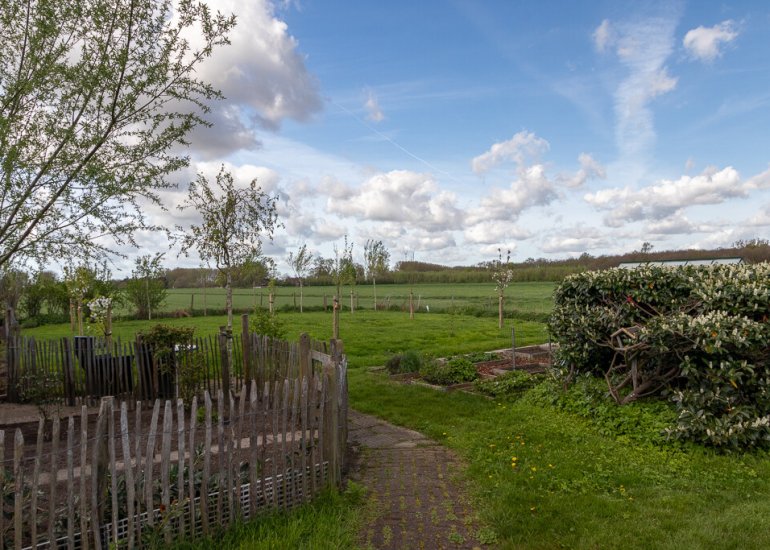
x=453, y=371
x=402, y=363
x=708, y=325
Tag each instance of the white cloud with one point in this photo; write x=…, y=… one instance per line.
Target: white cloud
x=642, y=47
x=494, y=232
x=603, y=36
x=521, y=147
x=590, y=168
x=575, y=240
x=372, y=106
x=704, y=43
x=261, y=71
x=531, y=188
x=677, y=225
x=401, y=196
x=667, y=197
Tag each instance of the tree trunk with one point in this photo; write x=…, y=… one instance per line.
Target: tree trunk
x=374, y=287
x=500, y=311
x=300, y=295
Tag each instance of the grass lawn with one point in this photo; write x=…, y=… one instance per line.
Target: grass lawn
x=541, y=477
x=534, y=297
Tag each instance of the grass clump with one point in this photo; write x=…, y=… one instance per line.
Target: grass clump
x=509, y=385
x=454, y=371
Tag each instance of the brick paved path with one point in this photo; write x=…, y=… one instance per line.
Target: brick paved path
x=415, y=499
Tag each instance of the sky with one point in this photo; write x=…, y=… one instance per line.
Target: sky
x=451, y=129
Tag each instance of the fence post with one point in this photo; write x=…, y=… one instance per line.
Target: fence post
x=246, y=344
x=223, y=343
x=304, y=356
x=69, y=375
x=336, y=318
x=341, y=412
x=12, y=335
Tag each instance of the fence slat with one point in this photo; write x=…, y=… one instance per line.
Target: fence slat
x=284, y=428
x=180, y=465
x=221, y=476
x=130, y=488
x=293, y=458
x=274, y=435
x=55, y=433
x=71, y=482
x=206, y=468
x=2, y=484
x=304, y=438
x=83, y=477
x=36, y=480
x=97, y=476
x=312, y=426
x=254, y=466
x=18, y=475
x=165, y=469
x=191, y=468
x=148, y=464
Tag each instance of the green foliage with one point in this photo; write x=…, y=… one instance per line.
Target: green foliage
x=266, y=324
x=445, y=373
x=401, y=363
x=709, y=324
x=509, y=385
x=146, y=289
x=165, y=341
x=43, y=389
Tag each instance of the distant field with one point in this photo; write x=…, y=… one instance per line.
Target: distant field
x=526, y=297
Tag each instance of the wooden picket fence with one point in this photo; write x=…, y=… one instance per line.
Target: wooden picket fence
x=83, y=369
x=131, y=476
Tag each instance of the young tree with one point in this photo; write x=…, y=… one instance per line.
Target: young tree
x=376, y=260
x=233, y=221
x=300, y=263
x=94, y=96
x=146, y=289
x=502, y=275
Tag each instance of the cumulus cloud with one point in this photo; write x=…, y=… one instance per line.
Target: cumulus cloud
x=677, y=225
x=704, y=43
x=531, y=188
x=373, y=110
x=575, y=240
x=667, y=197
x=400, y=196
x=260, y=72
x=603, y=36
x=521, y=147
x=590, y=169
x=495, y=232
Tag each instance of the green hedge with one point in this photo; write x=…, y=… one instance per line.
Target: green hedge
x=708, y=324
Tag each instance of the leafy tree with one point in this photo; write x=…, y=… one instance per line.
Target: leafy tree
x=146, y=289
x=300, y=263
x=502, y=275
x=13, y=283
x=233, y=222
x=376, y=260
x=84, y=282
x=344, y=270
x=94, y=96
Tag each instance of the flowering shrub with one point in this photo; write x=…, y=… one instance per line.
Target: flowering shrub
x=706, y=325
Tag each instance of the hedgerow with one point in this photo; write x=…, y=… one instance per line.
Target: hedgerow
x=695, y=334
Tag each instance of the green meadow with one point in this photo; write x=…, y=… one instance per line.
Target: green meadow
x=547, y=468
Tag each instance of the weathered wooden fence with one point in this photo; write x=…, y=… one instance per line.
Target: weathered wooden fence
x=145, y=476
x=82, y=369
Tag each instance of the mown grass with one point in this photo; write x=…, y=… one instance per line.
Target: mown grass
x=369, y=337
x=573, y=484
x=586, y=474
x=533, y=297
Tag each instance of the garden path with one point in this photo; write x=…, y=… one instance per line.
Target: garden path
x=415, y=497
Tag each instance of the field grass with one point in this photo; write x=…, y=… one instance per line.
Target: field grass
x=369, y=337
x=579, y=480
x=532, y=297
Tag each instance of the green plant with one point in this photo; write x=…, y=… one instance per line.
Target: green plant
x=267, y=324
x=43, y=389
x=445, y=373
x=510, y=384
x=401, y=363
x=166, y=342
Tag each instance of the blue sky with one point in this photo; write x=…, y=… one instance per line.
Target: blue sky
x=449, y=129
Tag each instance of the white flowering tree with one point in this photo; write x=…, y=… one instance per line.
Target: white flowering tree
x=502, y=275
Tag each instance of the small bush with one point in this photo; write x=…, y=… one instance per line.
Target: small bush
x=454, y=371
x=402, y=363
x=265, y=324
x=510, y=384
